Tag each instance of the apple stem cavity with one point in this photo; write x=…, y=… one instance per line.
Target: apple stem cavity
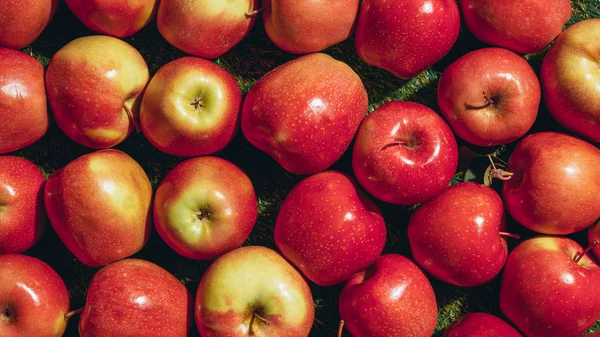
x=136, y=125
x=341, y=328
x=399, y=142
x=255, y=315
x=578, y=257
x=488, y=100
x=256, y=11
x=498, y=172
x=70, y=314
x=510, y=235
x=7, y=313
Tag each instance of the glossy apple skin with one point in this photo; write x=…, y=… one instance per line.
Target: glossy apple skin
x=565, y=304
x=135, y=298
x=23, y=111
x=555, y=185
x=169, y=118
x=507, y=79
x=329, y=229
x=90, y=83
x=305, y=112
x=479, y=324
x=406, y=37
x=404, y=174
x=392, y=298
x=22, y=215
x=22, y=21
x=525, y=26
x=571, y=81
x=251, y=280
x=308, y=26
x=205, y=28
x=99, y=205
x=35, y=296
x=205, y=185
x=117, y=18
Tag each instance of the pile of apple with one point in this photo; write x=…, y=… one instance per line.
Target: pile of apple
x=305, y=114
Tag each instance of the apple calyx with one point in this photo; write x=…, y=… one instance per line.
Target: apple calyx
x=510, y=235
x=408, y=143
x=488, y=101
x=197, y=103
x=70, y=314
x=136, y=125
x=203, y=214
x=341, y=328
x=578, y=257
x=497, y=171
x=256, y=12
x=7, y=314
x=256, y=316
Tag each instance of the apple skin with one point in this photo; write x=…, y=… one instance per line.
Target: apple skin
x=253, y=280
x=555, y=185
x=593, y=235
x=22, y=215
x=565, y=304
x=506, y=79
x=34, y=295
x=571, y=81
x=329, y=229
x=99, y=205
x=305, y=113
x=308, y=26
x=199, y=186
x=91, y=83
x=391, y=298
x=22, y=21
x=169, y=118
x=404, y=174
x=205, y=28
x=406, y=37
x=22, y=101
x=525, y=26
x=117, y=18
x=479, y=324
x=135, y=298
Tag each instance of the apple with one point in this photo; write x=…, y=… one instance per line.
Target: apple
x=525, y=26
x=489, y=96
x=305, y=113
x=406, y=37
x=308, y=26
x=391, y=298
x=94, y=87
x=33, y=298
x=22, y=21
x=99, y=205
x=135, y=298
x=554, y=189
x=119, y=18
x=404, y=153
x=550, y=288
x=253, y=291
x=329, y=229
x=205, y=28
x=571, y=81
x=205, y=207
x=593, y=236
x=479, y=324
x=22, y=216
x=190, y=108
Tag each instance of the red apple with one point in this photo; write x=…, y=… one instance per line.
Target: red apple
x=479, y=324
x=95, y=86
x=406, y=37
x=305, y=113
x=22, y=21
x=190, y=108
x=23, y=111
x=391, y=298
x=489, y=96
x=99, y=205
x=33, y=298
x=253, y=291
x=119, y=18
x=205, y=207
x=555, y=185
x=404, y=153
x=571, y=80
x=545, y=292
x=329, y=229
x=135, y=298
x=22, y=216
x=206, y=28
x=524, y=26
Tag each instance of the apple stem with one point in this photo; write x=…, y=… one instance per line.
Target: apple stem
x=132, y=118
x=397, y=142
x=510, y=235
x=489, y=100
x=256, y=11
x=258, y=317
x=341, y=328
x=498, y=173
x=578, y=257
x=70, y=314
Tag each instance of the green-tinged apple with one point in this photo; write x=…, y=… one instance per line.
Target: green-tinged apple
x=205, y=28
x=305, y=113
x=190, y=108
x=571, y=79
x=99, y=205
x=479, y=324
x=33, y=298
x=94, y=87
x=22, y=21
x=253, y=291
